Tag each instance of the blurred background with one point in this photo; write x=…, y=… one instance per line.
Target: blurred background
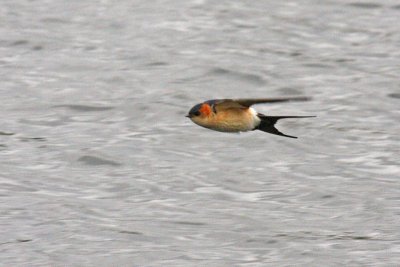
x=99, y=166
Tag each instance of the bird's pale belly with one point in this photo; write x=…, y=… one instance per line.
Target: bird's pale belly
x=231, y=121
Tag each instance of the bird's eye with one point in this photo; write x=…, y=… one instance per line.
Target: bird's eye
x=196, y=113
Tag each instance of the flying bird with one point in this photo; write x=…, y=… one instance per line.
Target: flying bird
x=237, y=115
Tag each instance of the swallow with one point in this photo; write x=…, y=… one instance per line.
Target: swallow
x=237, y=115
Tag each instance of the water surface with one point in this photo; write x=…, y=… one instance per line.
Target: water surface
x=99, y=166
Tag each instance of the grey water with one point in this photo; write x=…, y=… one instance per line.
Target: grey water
x=100, y=167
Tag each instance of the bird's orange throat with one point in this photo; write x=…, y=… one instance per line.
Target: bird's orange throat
x=205, y=109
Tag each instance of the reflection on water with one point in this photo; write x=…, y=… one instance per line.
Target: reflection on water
x=99, y=166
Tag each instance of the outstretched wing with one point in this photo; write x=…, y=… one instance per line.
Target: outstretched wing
x=244, y=103
x=252, y=101
x=224, y=104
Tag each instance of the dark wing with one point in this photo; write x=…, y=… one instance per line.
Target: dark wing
x=224, y=104
x=244, y=103
x=251, y=101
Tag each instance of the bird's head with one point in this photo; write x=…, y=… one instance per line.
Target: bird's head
x=200, y=112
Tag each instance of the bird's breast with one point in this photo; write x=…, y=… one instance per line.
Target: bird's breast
x=230, y=120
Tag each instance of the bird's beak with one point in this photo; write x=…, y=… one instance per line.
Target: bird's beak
x=188, y=116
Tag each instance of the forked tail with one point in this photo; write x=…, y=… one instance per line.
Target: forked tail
x=267, y=124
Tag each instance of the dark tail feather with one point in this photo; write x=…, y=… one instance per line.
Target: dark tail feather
x=268, y=122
